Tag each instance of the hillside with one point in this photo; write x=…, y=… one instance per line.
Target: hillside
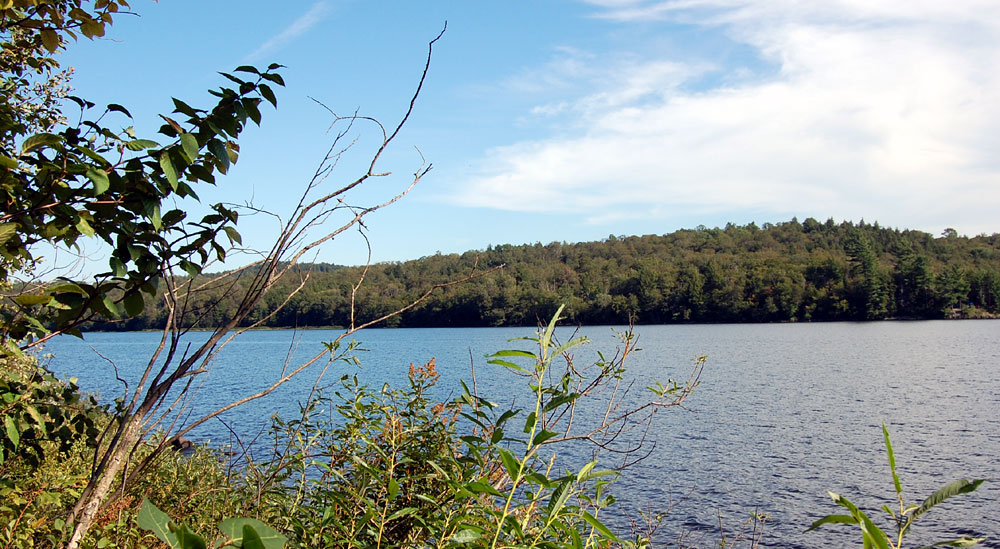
x=792, y=271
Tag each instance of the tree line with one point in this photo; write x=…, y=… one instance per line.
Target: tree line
x=791, y=271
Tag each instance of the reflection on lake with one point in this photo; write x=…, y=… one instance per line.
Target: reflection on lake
x=784, y=413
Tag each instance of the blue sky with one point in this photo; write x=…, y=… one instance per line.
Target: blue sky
x=572, y=120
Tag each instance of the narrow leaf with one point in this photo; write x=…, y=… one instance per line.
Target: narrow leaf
x=832, y=519
x=118, y=108
x=892, y=460
x=30, y=300
x=67, y=287
x=168, y=169
x=233, y=234
x=268, y=94
x=189, y=144
x=952, y=489
x=547, y=336
x=510, y=463
x=141, y=144
x=964, y=541
x=39, y=140
x=13, y=435
x=600, y=527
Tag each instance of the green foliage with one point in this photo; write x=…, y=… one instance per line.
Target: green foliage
x=393, y=468
x=69, y=182
x=903, y=519
x=40, y=413
x=238, y=532
x=784, y=272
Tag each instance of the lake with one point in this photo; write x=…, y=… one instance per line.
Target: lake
x=784, y=412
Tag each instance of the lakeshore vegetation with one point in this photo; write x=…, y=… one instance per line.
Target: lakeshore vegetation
x=789, y=271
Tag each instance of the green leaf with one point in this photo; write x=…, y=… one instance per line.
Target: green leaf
x=871, y=534
x=118, y=108
x=560, y=400
x=13, y=435
x=480, y=487
x=190, y=268
x=189, y=144
x=186, y=539
x=156, y=521
x=33, y=412
x=559, y=497
x=405, y=511
x=600, y=527
x=393, y=488
x=7, y=230
x=585, y=470
x=29, y=300
x=951, y=489
x=276, y=78
x=832, y=519
x=168, y=169
x=509, y=365
x=233, y=234
x=84, y=227
x=100, y=179
x=466, y=535
x=892, y=460
x=133, y=304
x=268, y=94
x=250, y=538
x=117, y=267
x=512, y=352
x=542, y=436
x=110, y=308
x=233, y=529
x=8, y=162
x=510, y=463
x=218, y=150
x=184, y=108
x=529, y=422
x=964, y=541
x=141, y=144
x=39, y=140
x=50, y=40
x=547, y=336
x=67, y=288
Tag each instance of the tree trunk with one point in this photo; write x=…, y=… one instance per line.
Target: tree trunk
x=89, y=504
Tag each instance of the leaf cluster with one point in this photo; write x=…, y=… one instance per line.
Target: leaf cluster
x=874, y=537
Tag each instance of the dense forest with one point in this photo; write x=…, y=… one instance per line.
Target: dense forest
x=808, y=271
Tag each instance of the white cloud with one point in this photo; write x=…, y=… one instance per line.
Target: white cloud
x=300, y=26
x=881, y=110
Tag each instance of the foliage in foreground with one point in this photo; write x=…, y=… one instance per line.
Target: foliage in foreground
x=873, y=536
x=383, y=467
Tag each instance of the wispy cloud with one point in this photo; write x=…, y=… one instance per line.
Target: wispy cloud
x=883, y=110
x=300, y=26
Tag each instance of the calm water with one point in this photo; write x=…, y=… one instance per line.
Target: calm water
x=785, y=412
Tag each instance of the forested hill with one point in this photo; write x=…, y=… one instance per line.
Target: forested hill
x=786, y=272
